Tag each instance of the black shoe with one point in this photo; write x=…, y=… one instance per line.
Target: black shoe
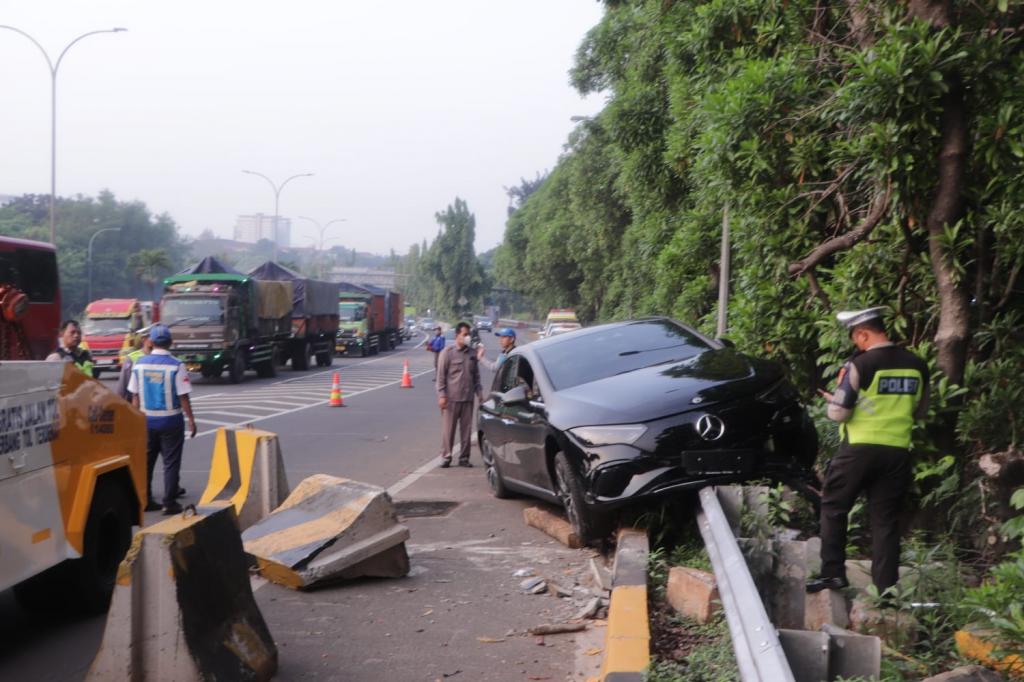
x=445, y=463
x=153, y=506
x=172, y=509
x=465, y=463
x=819, y=584
x=180, y=493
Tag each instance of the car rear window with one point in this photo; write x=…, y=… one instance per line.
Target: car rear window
x=580, y=359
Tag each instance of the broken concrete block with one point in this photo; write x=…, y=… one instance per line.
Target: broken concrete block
x=786, y=589
x=329, y=529
x=590, y=610
x=807, y=653
x=966, y=673
x=858, y=572
x=825, y=607
x=530, y=583
x=692, y=592
x=553, y=525
x=897, y=628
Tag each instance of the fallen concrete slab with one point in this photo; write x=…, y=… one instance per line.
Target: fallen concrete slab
x=246, y=470
x=329, y=529
x=183, y=607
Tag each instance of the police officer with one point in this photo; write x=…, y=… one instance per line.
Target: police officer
x=126, y=367
x=160, y=388
x=507, y=339
x=882, y=390
x=69, y=349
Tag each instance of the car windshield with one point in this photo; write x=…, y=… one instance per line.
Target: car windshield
x=192, y=311
x=582, y=358
x=105, y=326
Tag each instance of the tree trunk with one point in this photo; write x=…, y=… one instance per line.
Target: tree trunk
x=947, y=206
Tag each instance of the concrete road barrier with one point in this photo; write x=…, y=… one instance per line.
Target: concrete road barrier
x=329, y=529
x=627, y=640
x=183, y=607
x=248, y=471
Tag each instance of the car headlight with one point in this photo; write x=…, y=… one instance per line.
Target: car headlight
x=620, y=434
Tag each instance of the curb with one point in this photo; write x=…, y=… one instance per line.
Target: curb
x=627, y=642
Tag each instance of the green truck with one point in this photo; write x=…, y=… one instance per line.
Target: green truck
x=224, y=320
x=369, y=319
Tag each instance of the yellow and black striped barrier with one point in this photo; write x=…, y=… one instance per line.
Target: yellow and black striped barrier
x=247, y=470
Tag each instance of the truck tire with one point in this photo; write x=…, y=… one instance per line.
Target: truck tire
x=236, y=372
x=300, y=357
x=88, y=582
x=108, y=534
x=210, y=372
x=325, y=359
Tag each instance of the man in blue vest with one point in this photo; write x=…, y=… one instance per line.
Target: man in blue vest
x=881, y=392
x=160, y=388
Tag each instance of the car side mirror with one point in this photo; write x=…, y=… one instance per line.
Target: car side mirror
x=725, y=342
x=516, y=394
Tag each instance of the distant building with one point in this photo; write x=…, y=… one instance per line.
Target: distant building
x=374, y=276
x=6, y=199
x=253, y=228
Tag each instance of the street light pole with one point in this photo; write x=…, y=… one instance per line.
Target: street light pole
x=277, y=199
x=88, y=258
x=53, y=111
x=322, y=229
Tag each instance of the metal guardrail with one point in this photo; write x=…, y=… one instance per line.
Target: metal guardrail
x=759, y=654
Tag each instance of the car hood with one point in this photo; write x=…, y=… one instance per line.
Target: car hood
x=715, y=376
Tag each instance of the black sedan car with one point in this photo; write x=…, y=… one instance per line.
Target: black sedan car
x=630, y=411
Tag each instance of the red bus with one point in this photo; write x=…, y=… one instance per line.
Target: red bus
x=29, y=299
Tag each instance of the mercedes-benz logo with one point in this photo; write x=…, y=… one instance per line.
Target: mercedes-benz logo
x=710, y=427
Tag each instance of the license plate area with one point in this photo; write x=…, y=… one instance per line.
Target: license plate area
x=720, y=461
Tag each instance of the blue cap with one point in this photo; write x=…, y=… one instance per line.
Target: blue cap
x=160, y=333
x=506, y=331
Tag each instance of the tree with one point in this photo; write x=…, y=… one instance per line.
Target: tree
x=150, y=266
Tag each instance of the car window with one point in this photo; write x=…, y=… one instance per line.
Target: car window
x=525, y=376
x=581, y=358
x=506, y=379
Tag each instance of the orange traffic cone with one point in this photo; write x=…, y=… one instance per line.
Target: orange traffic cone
x=336, y=400
x=406, y=378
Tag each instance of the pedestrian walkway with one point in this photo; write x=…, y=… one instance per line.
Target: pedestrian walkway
x=298, y=393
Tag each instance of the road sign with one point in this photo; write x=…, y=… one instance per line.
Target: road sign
x=462, y=301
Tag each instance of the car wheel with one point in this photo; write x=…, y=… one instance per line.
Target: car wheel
x=587, y=523
x=491, y=470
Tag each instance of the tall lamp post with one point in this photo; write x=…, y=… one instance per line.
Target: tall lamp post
x=54, y=66
x=88, y=258
x=322, y=229
x=277, y=199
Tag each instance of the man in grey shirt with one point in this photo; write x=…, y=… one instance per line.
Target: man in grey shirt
x=458, y=384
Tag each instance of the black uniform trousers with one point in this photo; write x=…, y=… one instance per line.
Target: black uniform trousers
x=883, y=472
x=167, y=443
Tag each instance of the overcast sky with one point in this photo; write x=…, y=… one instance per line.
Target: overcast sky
x=396, y=107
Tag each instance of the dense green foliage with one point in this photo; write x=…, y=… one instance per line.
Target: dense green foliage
x=868, y=153
x=126, y=263
x=438, y=276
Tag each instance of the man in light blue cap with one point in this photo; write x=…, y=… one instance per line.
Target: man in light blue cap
x=507, y=339
x=160, y=388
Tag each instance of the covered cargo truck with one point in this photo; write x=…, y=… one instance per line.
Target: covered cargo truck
x=224, y=320
x=314, y=315
x=369, y=319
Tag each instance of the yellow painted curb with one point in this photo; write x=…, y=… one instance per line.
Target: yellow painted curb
x=627, y=641
x=973, y=645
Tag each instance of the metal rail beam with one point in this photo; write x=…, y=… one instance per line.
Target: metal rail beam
x=759, y=655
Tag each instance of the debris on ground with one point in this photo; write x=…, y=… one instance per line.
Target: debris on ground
x=557, y=628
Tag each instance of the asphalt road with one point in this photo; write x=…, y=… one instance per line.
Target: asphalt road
x=459, y=614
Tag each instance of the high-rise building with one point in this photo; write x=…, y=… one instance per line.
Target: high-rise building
x=253, y=228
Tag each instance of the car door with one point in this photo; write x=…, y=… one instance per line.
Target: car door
x=526, y=431
x=492, y=423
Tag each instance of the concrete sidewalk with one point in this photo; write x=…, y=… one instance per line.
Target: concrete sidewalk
x=441, y=622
